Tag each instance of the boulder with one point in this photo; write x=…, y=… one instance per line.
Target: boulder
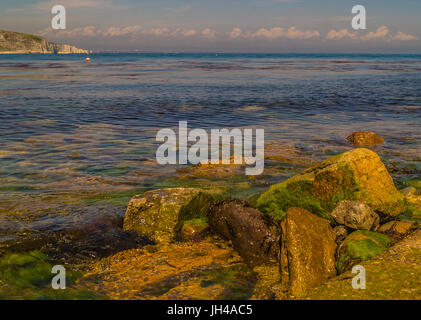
x=398, y=229
x=307, y=252
x=365, y=138
x=246, y=228
x=340, y=233
x=409, y=191
x=358, y=174
x=359, y=246
x=356, y=215
x=160, y=214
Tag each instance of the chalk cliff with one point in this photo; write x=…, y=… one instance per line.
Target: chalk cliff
x=15, y=42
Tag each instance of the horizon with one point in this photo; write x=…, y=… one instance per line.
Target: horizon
x=273, y=26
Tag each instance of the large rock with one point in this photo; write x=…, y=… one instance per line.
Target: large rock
x=160, y=214
x=398, y=229
x=365, y=138
x=245, y=226
x=358, y=174
x=307, y=253
x=356, y=215
x=359, y=246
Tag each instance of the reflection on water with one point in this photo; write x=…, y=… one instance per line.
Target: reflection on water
x=78, y=138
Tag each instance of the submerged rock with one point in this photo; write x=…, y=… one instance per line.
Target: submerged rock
x=359, y=246
x=246, y=228
x=365, y=138
x=307, y=253
x=398, y=229
x=356, y=215
x=160, y=214
x=358, y=174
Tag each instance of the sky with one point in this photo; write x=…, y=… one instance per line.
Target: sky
x=285, y=26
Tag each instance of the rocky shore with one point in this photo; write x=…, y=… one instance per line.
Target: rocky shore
x=298, y=239
x=21, y=43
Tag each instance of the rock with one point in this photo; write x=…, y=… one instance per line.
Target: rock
x=359, y=246
x=194, y=230
x=174, y=271
x=398, y=229
x=15, y=42
x=160, y=214
x=307, y=253
x=393, y=275
x=409, y=191
x=365, y=138
x=340, y=233
x=356, y=215
x=358, y=174
x=246, y=228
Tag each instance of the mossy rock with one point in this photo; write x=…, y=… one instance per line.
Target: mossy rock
x=358, y=174
x=359, y=246
x=160, y=214
x=28, y=276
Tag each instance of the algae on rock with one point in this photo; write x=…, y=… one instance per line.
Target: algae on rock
x=358, y=174
x=160, y=214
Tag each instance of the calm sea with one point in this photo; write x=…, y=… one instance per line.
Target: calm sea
x=77, y=139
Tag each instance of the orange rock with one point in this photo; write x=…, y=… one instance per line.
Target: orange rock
x=307, y=254
x=365, y=138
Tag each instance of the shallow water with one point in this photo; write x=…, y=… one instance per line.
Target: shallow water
x=78, y=139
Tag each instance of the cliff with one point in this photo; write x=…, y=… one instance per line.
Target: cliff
x=15, y=42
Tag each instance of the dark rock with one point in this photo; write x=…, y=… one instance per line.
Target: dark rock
x=247, y=229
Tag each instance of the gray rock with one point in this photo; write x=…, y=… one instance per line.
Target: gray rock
x=356, y=215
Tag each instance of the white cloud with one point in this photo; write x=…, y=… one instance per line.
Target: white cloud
x=235, y=33
x=381, y=33
x=404, y=37
x=341, y=34
x=208, y=33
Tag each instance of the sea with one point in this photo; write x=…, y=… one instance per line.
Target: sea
x=78, y=138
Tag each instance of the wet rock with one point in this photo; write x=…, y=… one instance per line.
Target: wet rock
x=358, y=174
x=247, y=229
x=365, y=138
x=194, y=230
x=409, y=191
x=176, y=271
x=307, y=253
x=160, y=214
x=398, y=229
x=356, y=215
x=340, y=233
x=359, y=246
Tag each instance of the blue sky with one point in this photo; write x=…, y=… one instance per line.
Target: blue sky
x=222, y=26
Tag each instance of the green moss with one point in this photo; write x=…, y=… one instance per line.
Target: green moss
x=364, y=249
x=28, y=276
x=413, y=183
x=359, y=246
x=202, y=221
x=413, y=211
x=238, y=282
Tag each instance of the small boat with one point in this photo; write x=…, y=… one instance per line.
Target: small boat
x=88, y=59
